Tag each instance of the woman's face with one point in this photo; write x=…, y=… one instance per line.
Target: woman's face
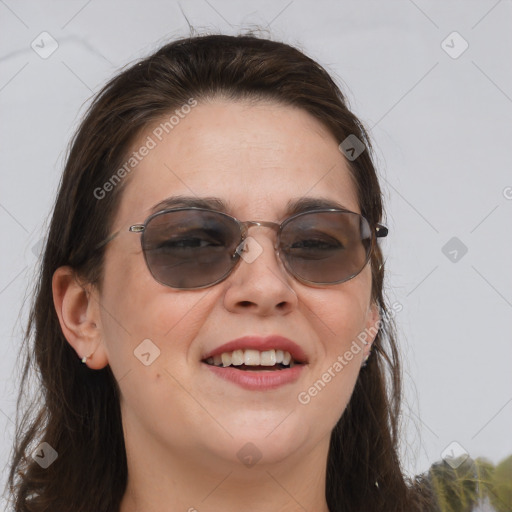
x=255, y=158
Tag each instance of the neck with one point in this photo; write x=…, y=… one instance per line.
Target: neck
x=161, y=479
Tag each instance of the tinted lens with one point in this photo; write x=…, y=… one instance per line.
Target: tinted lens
x=326, y=247
x=190, y=248
x=197, y=248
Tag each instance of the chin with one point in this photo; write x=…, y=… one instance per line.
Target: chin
x=254, y=453
x=268, y=438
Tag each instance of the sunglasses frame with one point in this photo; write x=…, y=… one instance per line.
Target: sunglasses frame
x=379, y=231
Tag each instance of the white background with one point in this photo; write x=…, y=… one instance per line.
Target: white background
x=442, y=131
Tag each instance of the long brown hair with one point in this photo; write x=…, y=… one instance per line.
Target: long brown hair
x=78, y=411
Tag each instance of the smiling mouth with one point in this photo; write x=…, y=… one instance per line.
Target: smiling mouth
x=253, y=360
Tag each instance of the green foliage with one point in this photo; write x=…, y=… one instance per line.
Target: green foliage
x=463, y=484
x=501, y=498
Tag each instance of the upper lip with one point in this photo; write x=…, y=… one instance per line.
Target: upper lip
x=258, y=343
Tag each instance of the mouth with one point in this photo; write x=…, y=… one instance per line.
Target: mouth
x=254, y=360
x=256, y=363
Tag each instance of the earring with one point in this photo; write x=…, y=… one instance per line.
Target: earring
x=84, y=359
x=366, y=359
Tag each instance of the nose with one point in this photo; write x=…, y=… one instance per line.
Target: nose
x=260, y=283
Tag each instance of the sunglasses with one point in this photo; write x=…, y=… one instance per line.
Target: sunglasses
x=190, y=247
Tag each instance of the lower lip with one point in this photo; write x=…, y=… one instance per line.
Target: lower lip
x=258, y=380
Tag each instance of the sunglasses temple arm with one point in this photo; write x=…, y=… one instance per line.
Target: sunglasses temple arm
x=106, y=241
x=381, y=231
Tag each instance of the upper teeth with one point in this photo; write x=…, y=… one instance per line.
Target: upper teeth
x=252, y=357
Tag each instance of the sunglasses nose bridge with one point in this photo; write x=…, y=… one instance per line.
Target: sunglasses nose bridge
x=245, y=225
x=259, y=223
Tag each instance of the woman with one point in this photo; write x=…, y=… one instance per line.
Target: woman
x=209, y=323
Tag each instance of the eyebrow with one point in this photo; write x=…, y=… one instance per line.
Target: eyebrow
x=293, y=206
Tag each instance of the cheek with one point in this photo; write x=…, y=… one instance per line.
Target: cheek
x=139, y=315
x=344, y=318
x=147, y=331
x=340, y=316
x=342, y=311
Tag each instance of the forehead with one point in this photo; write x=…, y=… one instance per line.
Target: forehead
x=256, y=157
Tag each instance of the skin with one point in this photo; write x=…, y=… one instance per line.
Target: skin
x=183, y=426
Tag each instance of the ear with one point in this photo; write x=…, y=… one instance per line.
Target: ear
x=373, y=324
x=78, y=309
